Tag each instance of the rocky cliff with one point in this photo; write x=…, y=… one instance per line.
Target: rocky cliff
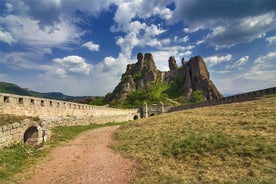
x=137, y=76
x=192, y=75
x=195, y=76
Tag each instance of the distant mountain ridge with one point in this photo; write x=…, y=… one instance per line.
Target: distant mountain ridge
x=17, y=90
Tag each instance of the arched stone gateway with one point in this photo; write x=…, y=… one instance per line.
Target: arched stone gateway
x=31, y=136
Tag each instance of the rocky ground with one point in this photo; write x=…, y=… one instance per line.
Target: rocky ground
x=86, y=159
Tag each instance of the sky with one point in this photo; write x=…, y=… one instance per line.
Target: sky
x=81, y=48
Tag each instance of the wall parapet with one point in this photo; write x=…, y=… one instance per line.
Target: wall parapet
x=230, y=99
x=48, y=108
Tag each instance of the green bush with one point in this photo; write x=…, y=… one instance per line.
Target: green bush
x=197, y=96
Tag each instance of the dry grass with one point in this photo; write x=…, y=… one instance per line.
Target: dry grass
x=6, y=119
x=233, y=143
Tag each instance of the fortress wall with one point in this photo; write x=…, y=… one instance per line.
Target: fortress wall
x=14, y=133
x=53, y=113
x=231, y=99
x=19, y=131
x=47, y=108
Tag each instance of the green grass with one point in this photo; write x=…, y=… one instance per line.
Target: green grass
x=16, y=158
x=232, y=143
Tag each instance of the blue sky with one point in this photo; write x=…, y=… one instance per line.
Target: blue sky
x=82, y=47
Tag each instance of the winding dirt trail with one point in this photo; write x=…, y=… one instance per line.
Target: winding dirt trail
x=88, y=159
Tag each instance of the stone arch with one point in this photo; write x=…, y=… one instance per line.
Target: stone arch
x=31, y=136
x=135, y=117
x=152, y=114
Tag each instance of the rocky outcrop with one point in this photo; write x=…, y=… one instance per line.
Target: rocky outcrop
x=172, y=64
x=193, y=75
x=196, y=77
x=137, y=76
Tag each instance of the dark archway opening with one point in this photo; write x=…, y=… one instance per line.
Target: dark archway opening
x=152, y=114
x=135, y=117
x=31, y=136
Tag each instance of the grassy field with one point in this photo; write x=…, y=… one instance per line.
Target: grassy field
x=234, y=143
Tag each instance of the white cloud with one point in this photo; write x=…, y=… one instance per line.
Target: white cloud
x=6, y=37
x=271, y=39
x=269, y=58
x=258, y=76
x=214, y=60
x=113, y=66
x=186, y=53
x=23, y=60
x=241, y=31
x=230, y=24
x=28, y=31
x=74, y=64
x=9, y=7
x=128, y=43
x=91, y=46
x=241, y=61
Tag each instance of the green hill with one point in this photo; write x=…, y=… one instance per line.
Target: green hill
x=15, y=89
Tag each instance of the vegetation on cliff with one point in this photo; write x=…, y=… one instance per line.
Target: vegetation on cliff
x=142, y=82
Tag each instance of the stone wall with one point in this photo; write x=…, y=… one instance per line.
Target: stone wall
x=47, y=108
x=231, y=99
x=53, y=113
x=153, y=109
x=13, y=133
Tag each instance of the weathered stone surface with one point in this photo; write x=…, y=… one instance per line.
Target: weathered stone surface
x=194, y=74
x=4, y=128
x=137, y=76
x=172, y=64
x=200, y=79
x=15, y=125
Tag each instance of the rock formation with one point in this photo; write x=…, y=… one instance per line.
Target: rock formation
x=137, y=76
x=196, y=77
x=193, y=76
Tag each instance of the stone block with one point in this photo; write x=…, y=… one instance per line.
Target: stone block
x=25, y=122
x=4, y=128
x=14, y=131
x=2, y=140
x=15, y=125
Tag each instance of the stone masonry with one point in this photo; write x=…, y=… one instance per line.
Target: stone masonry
x=52, y=113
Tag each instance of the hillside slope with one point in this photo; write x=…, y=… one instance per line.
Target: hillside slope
x=233, y=143
x=15, y=89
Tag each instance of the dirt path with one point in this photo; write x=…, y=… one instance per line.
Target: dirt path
x=86, y=159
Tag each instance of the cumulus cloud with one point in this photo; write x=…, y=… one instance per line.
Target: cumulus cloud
x=91, y=46
x=50, y=12
x=214, y=60
x=27, y=31
x=230, y=22
x=74, y=64
x=242, y=30
x=113, y=66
